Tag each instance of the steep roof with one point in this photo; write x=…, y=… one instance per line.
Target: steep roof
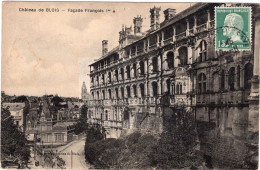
x=14, y=106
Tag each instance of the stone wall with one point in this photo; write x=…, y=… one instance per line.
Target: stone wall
x=223, y=135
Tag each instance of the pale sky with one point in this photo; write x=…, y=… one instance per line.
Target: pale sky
x=49, y=52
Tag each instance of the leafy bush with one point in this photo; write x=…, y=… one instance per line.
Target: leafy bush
x=176, y=147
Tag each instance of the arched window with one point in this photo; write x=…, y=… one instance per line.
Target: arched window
x=203, y=51
x=168, y=83
x=183, y=56
x=122, y=73
x=202, y=83
x=98, y=95
x=122, y=92
x=116, y=75
x=104, y=94
x=231, y=78
x=155, y=88
x=141, y=68
x=173, y=89
x=128, y=72
x=135, y=92
x=97, y=80
x=238, y=76
x=134, y=69
x=155, y=64
x=106, y=115
x=93, y=96
x=142, y=89
x=109, y=94
x=222, y=80
x=248, y=75
x=117, y=96
x=109, y=77
x=178, y=88
x=128, y=91
x=170, y=60
x=103, y=78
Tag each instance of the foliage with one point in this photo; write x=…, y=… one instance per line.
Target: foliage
x=176, y=147
x=82, y=125
x=56, y=100
x=95, y=133
x=178, y=142
x=13, y=142
x=129, y=152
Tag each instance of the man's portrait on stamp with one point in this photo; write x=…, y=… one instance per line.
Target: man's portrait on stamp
x=233, y=28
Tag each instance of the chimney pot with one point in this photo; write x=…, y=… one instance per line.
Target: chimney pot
x=169, y=13
x=138, y=24
x=155, y=17
x=104, y=47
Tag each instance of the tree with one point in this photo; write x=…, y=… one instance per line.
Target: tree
x=56, y=100
x=178, y=142
x=82, y=125
x=14, y=145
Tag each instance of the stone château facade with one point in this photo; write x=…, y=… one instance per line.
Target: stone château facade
x=176, y=58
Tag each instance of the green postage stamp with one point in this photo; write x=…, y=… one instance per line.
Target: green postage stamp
x=233, y=28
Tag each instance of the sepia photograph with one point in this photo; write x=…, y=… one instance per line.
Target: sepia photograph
x=130, y=85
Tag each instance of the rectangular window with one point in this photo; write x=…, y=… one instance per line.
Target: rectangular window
x=49, y=127
x=49, y=138
x=44, y=128
x=59, y=137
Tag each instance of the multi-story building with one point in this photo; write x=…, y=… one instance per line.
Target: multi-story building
x=17, y=111
x=176, y=58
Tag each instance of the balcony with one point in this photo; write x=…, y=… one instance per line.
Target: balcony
x=201, y=28
x=168, y=41
x=180, y=36
x=152, y=47
x=179, y=99
x=107, y=102
x=223, y=98
x=133, y=54
x=140, y=51
x=191, y=31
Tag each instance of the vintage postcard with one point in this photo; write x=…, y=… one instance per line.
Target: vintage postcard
x=120, y=85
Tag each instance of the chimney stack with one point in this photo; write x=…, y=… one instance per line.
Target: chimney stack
x=155, y=17
x=104, y=47
x=169, y=13
x=138, y=24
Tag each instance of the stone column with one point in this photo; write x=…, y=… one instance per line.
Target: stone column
x=188, y=28
x=176, y=60
x=159, y=63
x=164, y=64
x=195, y=24
x=138, y=68
x=158, y=39
x=174, y=33
x=189, y=55
x=162, y=38
x=145, y=67
x=148, y=43
x=208, y=22
x=159, y=85
x=253, y=115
